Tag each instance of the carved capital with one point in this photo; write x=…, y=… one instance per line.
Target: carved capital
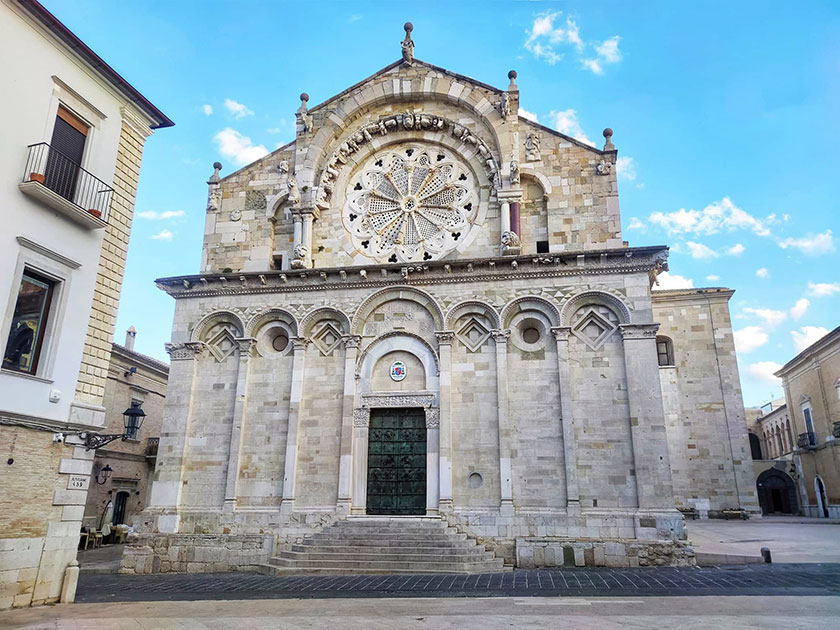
x=561, y=333
x=185, y=351
x=432, y=418
x=501, y=336
x=351, y=341
x=638, y=331
x=300, y=343
x=247, y=347
x=361, y=417
x=444, y=337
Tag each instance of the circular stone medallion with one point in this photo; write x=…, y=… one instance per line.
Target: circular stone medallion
x=398, y=371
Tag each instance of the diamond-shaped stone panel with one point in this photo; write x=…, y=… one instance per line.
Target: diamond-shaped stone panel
x=327, y=339
x=222, y=345
x=592, y=328
x=473, y=334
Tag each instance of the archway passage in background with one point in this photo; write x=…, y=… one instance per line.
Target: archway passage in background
x=776, y=493
x=755, y=446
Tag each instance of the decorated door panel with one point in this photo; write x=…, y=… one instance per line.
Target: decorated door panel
x=397, y=462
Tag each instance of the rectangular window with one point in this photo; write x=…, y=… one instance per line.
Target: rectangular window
x=542, y=247
x=664, y=352
x=32, y=309
x=67, y=148
x=809, y=426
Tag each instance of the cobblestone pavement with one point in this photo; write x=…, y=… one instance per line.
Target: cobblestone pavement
x=776, y=579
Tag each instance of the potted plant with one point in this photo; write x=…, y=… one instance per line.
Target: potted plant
x=37, y=177
x=95, y=212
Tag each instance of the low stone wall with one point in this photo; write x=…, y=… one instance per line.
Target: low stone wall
x=192, y=553
x=559, y=552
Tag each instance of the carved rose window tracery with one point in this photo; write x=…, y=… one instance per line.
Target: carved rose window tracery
x=410, y=204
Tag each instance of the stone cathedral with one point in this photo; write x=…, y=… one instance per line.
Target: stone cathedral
x=420, y=316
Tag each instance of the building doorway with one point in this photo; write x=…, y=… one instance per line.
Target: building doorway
x=776, y=493
x=396, y=482
x=120, y=502
x=822, y=498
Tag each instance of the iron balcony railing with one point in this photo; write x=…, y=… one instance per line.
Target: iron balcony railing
x=152, y=446
x=806, y=440
x=51, y=168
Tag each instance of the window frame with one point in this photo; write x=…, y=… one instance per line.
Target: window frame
x=669, y=352
x=808, y=419
x=44, y=320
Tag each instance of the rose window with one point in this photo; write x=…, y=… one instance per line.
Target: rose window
x=410, y=204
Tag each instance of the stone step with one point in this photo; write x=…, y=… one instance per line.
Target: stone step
x=384, y=529
x=268, y=569
x=432, y=546
x=407, y=555
x=385, y=566
x=354, y=536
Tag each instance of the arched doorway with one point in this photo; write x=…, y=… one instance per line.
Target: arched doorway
x=776, y=493
x=755, y=446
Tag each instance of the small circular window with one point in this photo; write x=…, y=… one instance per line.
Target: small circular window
x=280, y=341
x=475, y=480
x=531, y=334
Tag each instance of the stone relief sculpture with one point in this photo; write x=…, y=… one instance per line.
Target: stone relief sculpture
x=532, y=146
x=603, y=168
x=214, y=200
x=514, y=172
x=511, y=245
x=283, y=167
x=294, y=191
x=504, y=105
x=301, y=256
x=303, y=114
x=407, y=45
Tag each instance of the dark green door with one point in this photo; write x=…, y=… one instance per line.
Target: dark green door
x=397, y=462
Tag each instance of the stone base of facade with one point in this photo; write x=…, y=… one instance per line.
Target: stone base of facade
x=190, y=553
x=559, y=552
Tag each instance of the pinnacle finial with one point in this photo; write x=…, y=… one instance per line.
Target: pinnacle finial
x=407, y=45
x=214, y=178
x=512, y=76
x=608, y=145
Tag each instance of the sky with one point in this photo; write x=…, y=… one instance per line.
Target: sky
x=724, y=117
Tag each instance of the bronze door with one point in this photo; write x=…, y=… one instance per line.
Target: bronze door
x=396, y=481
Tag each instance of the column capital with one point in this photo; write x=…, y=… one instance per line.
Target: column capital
x=639, y=331
x=300, y=343
x=310, y=213
x=351, y=341
x=444, y=337
x=247, y=347
x=561, y=333
x=500, y=336
x=184, y=351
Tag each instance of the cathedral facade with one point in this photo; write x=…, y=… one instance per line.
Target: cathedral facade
x=423, y=306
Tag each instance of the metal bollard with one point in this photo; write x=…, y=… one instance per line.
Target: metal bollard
x=765, y=553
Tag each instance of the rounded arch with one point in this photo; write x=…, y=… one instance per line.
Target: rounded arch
x=393, y=341
x=530, y=171
x=217, y=317
x=594, y=297
x=272, y=314
x=323, y=312
x=410, y=294
x=530, y=302
x=776, y=492
x=755, y=446
x=472, y=307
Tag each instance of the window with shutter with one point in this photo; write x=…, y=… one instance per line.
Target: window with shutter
x=67, y=148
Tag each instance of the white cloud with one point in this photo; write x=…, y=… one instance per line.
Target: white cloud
x=717, y=217
x=736, y=250
x=237, y=109
x=811, y=244
x=549, y=33
x=237, y=147
x=749, y=338
x=666, y=280
x=823, y=289
x=636, y=224
x=807, y=335
x=566, y=122
x=626, y=168
x=712, y=277
x=526, y=114
x=593, y=65
x=207, y=109
x=163, y=235
x=699, y=251
x=799, y=309
x=763, y=371
x=770, y=317
x=762, y=273
x=354, y=18
x=159, y=216
x=608, y=50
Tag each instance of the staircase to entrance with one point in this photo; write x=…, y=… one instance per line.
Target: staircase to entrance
x=386, y=544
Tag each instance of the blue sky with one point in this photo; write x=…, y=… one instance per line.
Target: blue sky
x=725, y=119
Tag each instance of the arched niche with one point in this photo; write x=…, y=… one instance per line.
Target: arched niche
x=274, y=330
x=409, y=294
x=210, y=324
x=397, y=343
x=573, y=304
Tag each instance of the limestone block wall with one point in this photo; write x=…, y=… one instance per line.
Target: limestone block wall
x=707, y=435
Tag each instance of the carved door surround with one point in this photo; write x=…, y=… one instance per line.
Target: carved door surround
x=428, y=401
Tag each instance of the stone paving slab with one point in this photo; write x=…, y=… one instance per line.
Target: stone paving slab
x=765, y=580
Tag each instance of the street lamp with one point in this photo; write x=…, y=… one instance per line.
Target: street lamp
x=132, y=421
x=103, y=471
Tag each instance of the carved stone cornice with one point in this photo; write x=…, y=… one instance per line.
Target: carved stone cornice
x=638, y=331
x=399, y=399
x=190, y=350
x=445, y=337
x=561, y=333
x=492, y=270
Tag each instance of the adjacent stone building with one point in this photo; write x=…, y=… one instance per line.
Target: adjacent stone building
x=122, y=470
x=424, y=306
x=811, y=381
x=772, y=443
x=72, y=145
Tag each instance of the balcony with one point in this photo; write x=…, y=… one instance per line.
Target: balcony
x=807, y=440
x=62, y=184
x=152, y=446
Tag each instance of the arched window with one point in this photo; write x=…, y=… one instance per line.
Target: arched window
x=664, y=351
x=755, y=446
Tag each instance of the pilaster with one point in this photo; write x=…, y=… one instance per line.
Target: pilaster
x=351, y=353
x=505, y=474
x=361, y=425
x=246, y=348
x=444, y=340
x=561, y=337
x=296, y=395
